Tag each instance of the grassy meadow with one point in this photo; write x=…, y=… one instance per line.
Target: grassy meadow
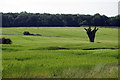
x=67, y=53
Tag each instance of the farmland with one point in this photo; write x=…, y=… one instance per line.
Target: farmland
x=65, y=52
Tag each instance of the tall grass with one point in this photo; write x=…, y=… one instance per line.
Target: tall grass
x=70, y=55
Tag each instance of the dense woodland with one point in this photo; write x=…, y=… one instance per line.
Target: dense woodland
x=25, y=19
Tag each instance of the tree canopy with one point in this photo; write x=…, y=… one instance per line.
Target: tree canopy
x=25, y=19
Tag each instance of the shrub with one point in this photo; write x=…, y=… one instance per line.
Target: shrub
x=27, y=33
x=5, y=41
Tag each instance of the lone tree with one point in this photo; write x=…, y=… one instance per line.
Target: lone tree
x=91, y=33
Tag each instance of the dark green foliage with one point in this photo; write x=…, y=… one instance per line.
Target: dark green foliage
x=26, y=33
x=5, y=41
x=25, y=19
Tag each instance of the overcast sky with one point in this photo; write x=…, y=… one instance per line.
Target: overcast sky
x=106, y=7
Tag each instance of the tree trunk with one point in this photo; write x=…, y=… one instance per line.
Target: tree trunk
x=91, y=33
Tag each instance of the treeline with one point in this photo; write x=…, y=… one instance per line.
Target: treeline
x=25, y=19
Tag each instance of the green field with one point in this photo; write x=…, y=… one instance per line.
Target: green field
x=69, y=55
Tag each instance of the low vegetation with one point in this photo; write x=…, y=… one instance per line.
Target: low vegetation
x=5, y=41
x=70, y=55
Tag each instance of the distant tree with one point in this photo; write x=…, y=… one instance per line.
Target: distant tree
x=97, y=20
x=105, y=20
x=21, y=19
x=84, y=23
x=7, y=20
x=114, y=21
x=25, y=19
x=33, y=20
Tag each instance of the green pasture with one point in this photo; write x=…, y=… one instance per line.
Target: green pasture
x=64, y=53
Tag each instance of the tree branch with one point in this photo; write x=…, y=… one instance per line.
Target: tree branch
x=86, y=29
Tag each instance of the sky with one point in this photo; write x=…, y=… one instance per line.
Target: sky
x=104, y=7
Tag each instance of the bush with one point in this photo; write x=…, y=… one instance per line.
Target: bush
x=26, y=33
x=5, y=41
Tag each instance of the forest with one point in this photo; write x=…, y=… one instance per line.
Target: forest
x=25, y=19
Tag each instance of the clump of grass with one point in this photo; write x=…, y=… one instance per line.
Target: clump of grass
x=81, y=53
x=102, y=70
x=10, y=49
x=50, y=48
x=99, y=48
x=56, y=48
x=22, y=59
